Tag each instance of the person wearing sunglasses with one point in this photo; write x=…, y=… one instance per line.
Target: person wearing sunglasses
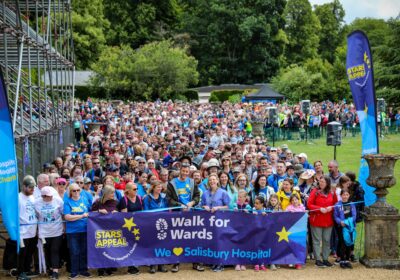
x=49, y=211
x=131, y=202
x=28, y=221
x=61, y=186
x=76, y=211
x=85, y=192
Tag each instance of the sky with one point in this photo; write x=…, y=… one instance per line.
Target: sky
x=383, y=9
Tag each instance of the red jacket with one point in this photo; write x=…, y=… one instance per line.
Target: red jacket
x=319, y=200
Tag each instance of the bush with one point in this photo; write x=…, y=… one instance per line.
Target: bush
x=236, y=98
x=223, y=95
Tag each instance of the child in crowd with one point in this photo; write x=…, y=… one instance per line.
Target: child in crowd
x=345, y=215
x=259, y=208
x=295, y=206
x=273, y=205
x=242, y=203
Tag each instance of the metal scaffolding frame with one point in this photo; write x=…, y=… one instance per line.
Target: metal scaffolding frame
x=35, y=42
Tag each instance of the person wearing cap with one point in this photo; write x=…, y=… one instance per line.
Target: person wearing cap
x=61, y=185
x=28, y=222
x=76, y=212
x=49, y=212
x=182, y=191
x=303, y=160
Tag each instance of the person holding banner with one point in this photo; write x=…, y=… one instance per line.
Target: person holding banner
x=321, y=203
x=182, y=191
x=28, y=222
x=215, y=199
x=105, y=204
x=155, y=199
x=49, y=211
x=76, y=211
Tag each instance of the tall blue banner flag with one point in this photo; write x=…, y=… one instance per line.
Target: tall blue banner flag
x=127, y=239
x=361, y=79
x=8, y=169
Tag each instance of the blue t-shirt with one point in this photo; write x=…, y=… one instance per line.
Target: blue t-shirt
x=76, y=207
x=184, y=191
x=275, y=181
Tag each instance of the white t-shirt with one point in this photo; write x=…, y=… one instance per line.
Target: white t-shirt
x=50, y=214
x=27, y=215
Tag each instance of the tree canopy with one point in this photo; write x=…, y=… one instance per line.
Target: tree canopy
x=299, y=48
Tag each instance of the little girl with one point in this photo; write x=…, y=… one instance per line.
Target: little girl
x=295, y=206
x=259, y=208
x=242, y=205
x=273, y=205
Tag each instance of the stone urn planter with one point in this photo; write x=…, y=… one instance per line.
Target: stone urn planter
x=381, y=243
x=258, y=128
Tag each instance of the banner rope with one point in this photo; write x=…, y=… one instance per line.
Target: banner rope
x=198, y=209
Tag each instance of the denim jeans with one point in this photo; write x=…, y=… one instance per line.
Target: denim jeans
x=77, y=244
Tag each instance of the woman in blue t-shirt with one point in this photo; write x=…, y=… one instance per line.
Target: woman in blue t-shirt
x=76, y=211
x=155, y=199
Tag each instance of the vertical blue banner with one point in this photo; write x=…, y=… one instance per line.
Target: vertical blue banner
x=8, y=169
x=361, y=79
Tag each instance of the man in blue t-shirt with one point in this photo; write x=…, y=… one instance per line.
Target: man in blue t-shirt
x=275, y=180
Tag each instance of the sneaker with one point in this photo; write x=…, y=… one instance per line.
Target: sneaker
x=54, y=276
x=353, y=258
x=152, y=269
x=22, y=276
x=161, y=268
x=86, y=274
x=272, y=267
x=320, y=264
x=291, y=265
x=218, y=268
x=133, y=270
x=175, y=268
x=263, y=268
x=198, y=267
x=237, y=267
x=73, y=276
x=32, y=274
x=342, y=265
x=337, y=261
x=327, y=264
x=257, y=268
x=242, y=267
x=298, y=266
x=348, y=265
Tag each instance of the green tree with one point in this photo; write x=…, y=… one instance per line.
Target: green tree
x=387, y=68
x=88, y=25
x=330, y=16
x=157, y=70
x=235, y=41
x=302, y=29
x=136, y=23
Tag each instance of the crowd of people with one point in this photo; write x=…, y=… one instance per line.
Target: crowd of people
x=158, y=155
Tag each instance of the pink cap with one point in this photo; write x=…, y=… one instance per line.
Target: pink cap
x=47, y=191
x=61, y=180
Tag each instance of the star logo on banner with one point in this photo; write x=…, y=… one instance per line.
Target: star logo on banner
x=137, y=237
x=135, y=231
x=283, y=235
x=129, y=224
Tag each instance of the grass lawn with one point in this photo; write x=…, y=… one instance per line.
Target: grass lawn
x=348, y=155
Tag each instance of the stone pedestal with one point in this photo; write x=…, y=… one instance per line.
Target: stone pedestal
x=381, y=245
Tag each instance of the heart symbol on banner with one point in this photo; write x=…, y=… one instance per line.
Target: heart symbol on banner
x=178, y=251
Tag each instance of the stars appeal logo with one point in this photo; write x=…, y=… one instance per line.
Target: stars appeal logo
x=161, y=226
x=117, y=239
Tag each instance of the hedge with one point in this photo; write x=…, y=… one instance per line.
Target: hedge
x=223, y=95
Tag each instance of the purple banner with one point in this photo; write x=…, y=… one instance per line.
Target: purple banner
x=126, y=239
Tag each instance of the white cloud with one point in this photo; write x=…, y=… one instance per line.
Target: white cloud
x=384, y=9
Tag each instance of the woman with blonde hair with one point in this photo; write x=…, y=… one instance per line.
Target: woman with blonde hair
x=105, y=204
x=242, y=182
